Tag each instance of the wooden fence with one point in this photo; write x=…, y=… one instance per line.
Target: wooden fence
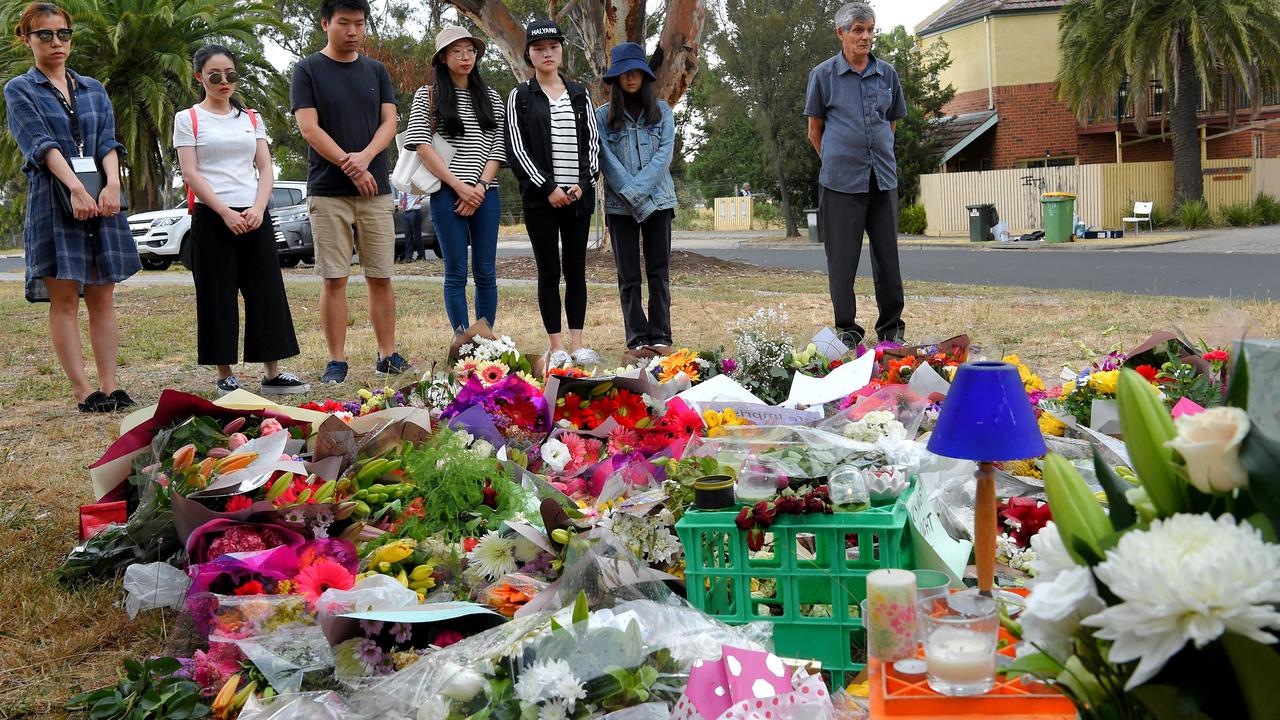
x=1104, y=193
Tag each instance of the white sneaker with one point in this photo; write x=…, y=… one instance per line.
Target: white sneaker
x=559, y=359
x=583, y=357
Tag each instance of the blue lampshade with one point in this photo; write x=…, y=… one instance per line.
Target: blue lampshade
x=987, y=416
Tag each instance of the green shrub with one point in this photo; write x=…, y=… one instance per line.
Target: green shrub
x=912, y=220
x=766, y=215
x=1238, y=214
x=1266, y=210
x=1193, y=214
x=1160, y=217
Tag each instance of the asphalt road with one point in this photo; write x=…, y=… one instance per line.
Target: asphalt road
x=1153, y=272
x=1158, y=271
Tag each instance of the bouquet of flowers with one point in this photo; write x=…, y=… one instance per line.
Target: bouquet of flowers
x=1169, y=601
x=762, y=344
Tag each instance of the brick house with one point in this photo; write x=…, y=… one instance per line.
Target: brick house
x=1006, y=114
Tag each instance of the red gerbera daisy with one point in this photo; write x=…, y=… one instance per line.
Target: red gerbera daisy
x=320, y=576
x=629, y=408
x=1148, y=372
x=238, y=503
x=253, y=587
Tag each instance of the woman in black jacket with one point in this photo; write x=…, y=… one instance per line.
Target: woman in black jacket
x=553, y=149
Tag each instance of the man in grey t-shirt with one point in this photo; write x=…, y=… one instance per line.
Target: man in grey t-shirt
x=854, y=102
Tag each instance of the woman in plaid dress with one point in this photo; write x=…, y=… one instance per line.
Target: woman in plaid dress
x=70, y=257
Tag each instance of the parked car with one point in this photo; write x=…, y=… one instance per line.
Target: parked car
x=163, y=235
x=295, y=244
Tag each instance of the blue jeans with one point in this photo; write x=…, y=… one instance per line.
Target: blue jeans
x=454, y=233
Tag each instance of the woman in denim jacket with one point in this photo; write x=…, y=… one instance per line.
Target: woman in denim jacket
x=640, y=197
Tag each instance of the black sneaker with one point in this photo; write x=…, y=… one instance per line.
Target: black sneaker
x=122, y=399
x=335, y=373
x=284, y=384
x=228, y=384
x=393, y=364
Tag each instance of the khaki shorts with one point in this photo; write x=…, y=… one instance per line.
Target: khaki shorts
x=374, y=237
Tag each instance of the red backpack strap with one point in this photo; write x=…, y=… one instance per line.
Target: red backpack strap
x=195, y=130
x=253, y=117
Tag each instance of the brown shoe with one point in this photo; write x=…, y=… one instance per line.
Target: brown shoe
x=662, y=350
x=636, y=356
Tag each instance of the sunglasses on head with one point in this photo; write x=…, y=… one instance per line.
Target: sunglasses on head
x=215, y=77
x=46, y=36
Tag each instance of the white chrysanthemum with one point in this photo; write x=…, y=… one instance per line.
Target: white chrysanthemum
x=549, y=680
x=554, y=711
x=1051, y=554
x=492, y=557
x=1055, y=608
x=1188, y=578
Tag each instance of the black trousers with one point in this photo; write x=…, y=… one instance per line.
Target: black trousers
x=226, y=265
x=413, y=234
x=549, y=229
x=842, y=220
x=654, y=329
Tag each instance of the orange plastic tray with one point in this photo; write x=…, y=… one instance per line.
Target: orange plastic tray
x=909, y=696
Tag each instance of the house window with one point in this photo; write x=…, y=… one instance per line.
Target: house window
x=1052, y=161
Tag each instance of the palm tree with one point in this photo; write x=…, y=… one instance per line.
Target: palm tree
x=141, y=52
x=1195, y=47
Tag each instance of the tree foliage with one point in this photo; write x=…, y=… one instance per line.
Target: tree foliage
x=1189, y=46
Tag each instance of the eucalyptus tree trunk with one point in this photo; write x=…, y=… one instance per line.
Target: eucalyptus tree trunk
x=601, y=24
x=1188, y=182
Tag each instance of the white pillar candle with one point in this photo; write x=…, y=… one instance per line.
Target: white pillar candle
x=960, y=656
x=891, y=614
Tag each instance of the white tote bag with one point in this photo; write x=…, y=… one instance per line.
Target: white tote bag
x=410, y=174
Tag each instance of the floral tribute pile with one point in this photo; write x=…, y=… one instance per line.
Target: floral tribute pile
x=495, y=541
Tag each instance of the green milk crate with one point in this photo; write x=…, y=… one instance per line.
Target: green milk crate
x=808, y=580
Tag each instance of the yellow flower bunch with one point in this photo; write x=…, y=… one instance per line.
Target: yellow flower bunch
x=1105, y=382
x=718, y=421
x=1030, y=380
x=684, y=361
x=1050, y=425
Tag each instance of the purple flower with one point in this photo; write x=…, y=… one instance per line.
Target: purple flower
x=887, y=345
x=1113, y=361
x=728, y=365
x=371, y=627
x=402, y=632
x=368, y=652
x=399, y=398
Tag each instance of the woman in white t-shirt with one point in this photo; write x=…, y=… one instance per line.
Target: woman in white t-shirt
x=222, y=148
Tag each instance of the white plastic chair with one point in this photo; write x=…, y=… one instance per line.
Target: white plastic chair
x=1141, y=214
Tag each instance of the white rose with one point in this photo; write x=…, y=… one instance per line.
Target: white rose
x=555, y=454
x=1209, y=443
x=463, y=684
x=1056, y=607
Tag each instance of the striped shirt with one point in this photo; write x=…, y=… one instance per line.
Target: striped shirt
x=564, y=140
x=474, y=148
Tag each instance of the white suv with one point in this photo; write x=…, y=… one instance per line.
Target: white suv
x=162, y=235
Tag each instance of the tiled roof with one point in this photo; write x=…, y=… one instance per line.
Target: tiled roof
x=955, y=129
x=958, y=12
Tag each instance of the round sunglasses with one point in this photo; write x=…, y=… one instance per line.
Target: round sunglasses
x=46, y=36
x=215, y=77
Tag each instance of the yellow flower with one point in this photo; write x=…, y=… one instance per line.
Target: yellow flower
x=1105, y=382
x=1068, y=388
x=1050, y=425
x=364, y=394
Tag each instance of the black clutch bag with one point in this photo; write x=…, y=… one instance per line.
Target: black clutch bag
x=94, y=181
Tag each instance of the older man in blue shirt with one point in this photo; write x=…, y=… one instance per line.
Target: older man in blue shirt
x=854, y=103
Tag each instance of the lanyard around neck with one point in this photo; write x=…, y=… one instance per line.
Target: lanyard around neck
x=69, y=105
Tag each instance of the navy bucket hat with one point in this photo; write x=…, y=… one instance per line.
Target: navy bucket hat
x=626, y=57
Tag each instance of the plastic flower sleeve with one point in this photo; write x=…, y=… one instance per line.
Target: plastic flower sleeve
x=600, y=566
x=797, y=452
x=154, y=585
x=298, y=706
x=286, y=656
x=906, y=407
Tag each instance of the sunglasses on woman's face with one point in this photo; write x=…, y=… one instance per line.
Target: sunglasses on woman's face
x=215, y=77
x=46, y=36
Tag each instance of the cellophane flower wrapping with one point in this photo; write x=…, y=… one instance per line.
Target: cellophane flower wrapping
x=799, y=453
x=637, y=634
x=297, y=706
x=279, y=634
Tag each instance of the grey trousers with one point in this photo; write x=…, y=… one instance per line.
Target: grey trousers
x=842, y=219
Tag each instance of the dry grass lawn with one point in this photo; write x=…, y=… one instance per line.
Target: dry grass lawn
x=55, y=641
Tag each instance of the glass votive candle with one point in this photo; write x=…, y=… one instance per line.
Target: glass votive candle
x=847, y=487
x=960, y=633
x=931, y=583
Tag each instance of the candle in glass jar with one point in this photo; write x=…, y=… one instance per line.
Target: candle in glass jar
x=959, y=656
x=891, y=614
